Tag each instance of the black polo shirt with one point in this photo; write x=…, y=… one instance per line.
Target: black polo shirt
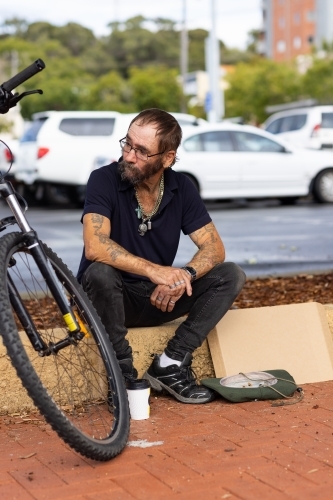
x=181, y=209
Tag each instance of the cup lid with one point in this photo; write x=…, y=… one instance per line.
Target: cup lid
x=137, y=384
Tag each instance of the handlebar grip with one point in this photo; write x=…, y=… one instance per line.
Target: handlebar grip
x=24, y=75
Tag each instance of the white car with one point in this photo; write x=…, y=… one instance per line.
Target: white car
x=5, y=156
x=58, y=152
x=310, y=127
x=228, y=161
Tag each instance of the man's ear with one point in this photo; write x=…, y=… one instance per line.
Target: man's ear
x=168, y=158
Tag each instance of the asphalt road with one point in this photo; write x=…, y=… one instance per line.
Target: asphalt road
x=264, y=238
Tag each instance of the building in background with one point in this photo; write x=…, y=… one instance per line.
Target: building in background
x=293, y=27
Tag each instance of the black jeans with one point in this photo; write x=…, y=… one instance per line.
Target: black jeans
x=122, y=305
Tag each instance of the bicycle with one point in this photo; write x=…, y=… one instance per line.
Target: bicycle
x=53, y=336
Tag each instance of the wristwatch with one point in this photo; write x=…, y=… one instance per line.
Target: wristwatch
x=191, y=271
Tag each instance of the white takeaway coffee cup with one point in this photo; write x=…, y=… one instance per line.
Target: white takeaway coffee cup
x=138, y=392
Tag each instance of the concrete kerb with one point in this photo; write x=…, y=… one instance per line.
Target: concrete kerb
x=145, y=343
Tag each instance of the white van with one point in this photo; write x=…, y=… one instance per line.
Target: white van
x=61, y=148
x=310, y=127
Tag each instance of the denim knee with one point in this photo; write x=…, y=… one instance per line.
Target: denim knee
x=231, y=273
x=101, y=276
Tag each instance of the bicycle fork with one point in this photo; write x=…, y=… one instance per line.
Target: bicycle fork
x=32, y=244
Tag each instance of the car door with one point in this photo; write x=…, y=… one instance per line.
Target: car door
x=268, y=169
x=210, y=157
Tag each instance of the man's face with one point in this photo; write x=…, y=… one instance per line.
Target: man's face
x=134, y=169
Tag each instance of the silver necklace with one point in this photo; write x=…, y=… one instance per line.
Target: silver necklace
x=146, y=224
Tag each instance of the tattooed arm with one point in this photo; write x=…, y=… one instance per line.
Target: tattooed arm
x=101, y=248
x=211, y=249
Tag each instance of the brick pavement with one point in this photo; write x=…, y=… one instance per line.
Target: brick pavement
x=249, y=451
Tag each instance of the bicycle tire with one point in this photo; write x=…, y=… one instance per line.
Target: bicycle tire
x=72, y=388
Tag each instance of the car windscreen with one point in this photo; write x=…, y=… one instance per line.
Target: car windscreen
x=30, y=135
x=327, y=120
x=87, y=126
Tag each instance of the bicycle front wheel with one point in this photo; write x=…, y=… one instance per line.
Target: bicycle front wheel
x=79, y=389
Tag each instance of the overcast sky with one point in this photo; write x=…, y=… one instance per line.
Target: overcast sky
x=234, y=18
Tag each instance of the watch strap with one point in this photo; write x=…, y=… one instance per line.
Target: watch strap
x=191, y=271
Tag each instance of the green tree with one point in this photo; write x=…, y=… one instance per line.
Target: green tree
x=318, y=80
x=110, y=93
x=255, y=85
x=155, y=87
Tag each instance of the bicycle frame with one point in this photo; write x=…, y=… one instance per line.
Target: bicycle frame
x=33, y=246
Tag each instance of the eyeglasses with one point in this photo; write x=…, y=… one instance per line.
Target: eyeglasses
x=139, y=153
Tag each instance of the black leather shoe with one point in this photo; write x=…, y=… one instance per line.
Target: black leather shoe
x=127, y=369
x=179, y=381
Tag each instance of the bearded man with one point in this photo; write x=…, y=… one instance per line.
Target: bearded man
x=134, y=212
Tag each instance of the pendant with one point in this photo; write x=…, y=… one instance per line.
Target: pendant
x=138, y=213
x=149, y=225
x=142, y=229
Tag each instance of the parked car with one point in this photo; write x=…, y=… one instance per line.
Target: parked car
x=227, y=161
x=58, y=152
x=305, y=127
x=6, y=158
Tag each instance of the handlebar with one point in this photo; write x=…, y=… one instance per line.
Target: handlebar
x=9, y=100
x=24, y=75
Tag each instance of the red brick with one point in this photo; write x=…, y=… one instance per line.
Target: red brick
x=116, y=495
x=143, y=486
x=110, y=470
x=75, y=490
x=312, y=469
x=14, y=491
x=33, y=475
x=278, y=477
x=247, y=488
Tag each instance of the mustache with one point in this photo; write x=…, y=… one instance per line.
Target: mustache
x=129, y=172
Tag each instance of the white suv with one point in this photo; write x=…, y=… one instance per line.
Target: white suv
x=58, y=152
x=305, y=127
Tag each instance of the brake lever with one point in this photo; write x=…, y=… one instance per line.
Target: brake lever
x=17, y=97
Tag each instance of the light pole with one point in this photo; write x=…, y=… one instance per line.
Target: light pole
x=184, y=56
x=214, y=106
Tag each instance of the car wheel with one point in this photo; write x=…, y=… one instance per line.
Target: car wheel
x=56, y=195
x=323, y=186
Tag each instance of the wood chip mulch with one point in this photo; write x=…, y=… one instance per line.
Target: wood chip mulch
x=256, y=293
x=286, y=290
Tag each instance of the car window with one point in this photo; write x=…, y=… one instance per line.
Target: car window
x=183, y=121
x=30, y=135
x=327, y=120
x=256, y=143
x=87, y=126
x=292, y=122
x=274, y=126
x=219, y=140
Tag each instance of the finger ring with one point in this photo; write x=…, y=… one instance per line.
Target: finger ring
x=171, y=286
x=159, y=299
x=177, y=283
x=171, y=302
x=181, y=282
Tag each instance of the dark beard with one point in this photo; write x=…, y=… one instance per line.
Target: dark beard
x=128, y=172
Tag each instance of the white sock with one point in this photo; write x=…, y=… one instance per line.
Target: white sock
x=166, y=361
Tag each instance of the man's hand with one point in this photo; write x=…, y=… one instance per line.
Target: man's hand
x=164, y=297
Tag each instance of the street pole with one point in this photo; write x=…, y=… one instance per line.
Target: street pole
x=214, y=98
x=184, y=57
